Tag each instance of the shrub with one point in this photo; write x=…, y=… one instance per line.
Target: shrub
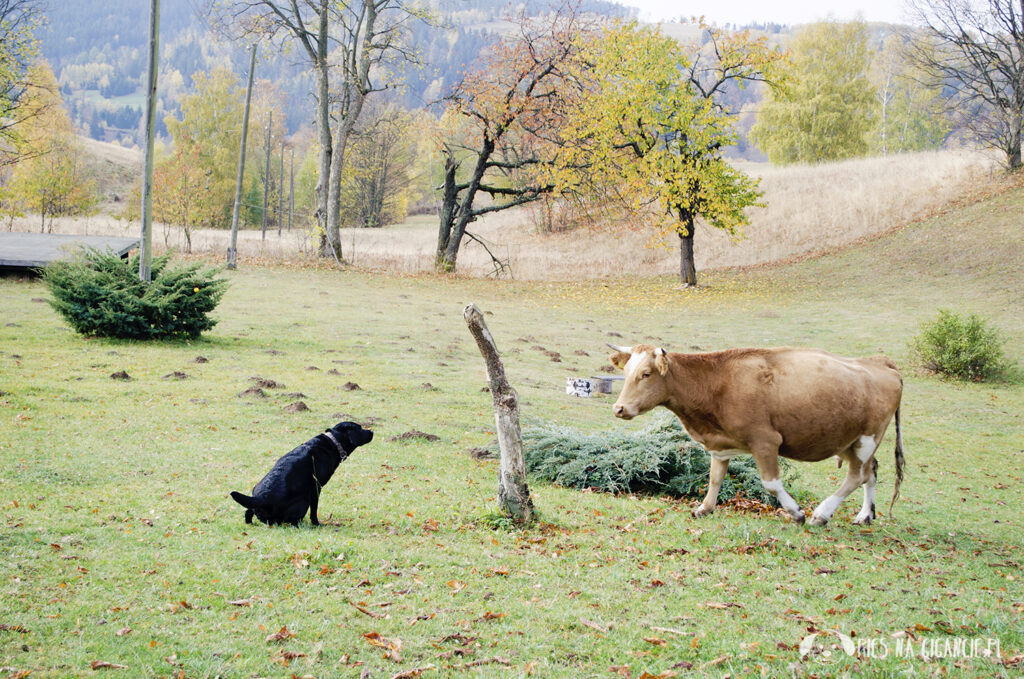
x=98, y=293
x=660, y=458
x=964, y=348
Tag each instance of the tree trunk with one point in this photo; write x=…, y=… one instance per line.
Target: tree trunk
x=513, y=493
x=687, y=268
x=266, y=176
x=446, y=218
x=323, y=129
x=446, y=259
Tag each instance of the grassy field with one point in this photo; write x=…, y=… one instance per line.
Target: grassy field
x=123, y=547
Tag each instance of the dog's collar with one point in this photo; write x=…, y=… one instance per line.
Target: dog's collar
x=341, y=451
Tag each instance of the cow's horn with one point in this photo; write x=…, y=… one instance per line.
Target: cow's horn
x=625, y=350
x=660, y=351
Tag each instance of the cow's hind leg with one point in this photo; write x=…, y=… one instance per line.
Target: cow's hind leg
x=768, y=465
x=860, y=457
x=867, y=510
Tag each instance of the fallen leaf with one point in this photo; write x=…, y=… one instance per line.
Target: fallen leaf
x=500, y=570
x=722, y=605
x=282, y=634
x=365, y=611
x=664, y=675
x=123, y=632
x=104, y=665
x=655, y=641
x=490, y=615
x=487, y=661
x=594, y=626
x=240, y=602
x=456, y=585
x=414, y=672
x=392, y=648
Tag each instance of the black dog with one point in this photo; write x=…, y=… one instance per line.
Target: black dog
x=293, y=485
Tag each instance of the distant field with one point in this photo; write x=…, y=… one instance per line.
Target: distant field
x=808, y=209
x=122, y=546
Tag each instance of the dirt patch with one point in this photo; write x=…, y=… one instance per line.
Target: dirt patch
x=264, y=383
x=415, y=435
x=176, y=375
x=580, y=352
x=296, y=395
x=296, y=407
x=253, y=391
x=312, y=367
x=200, y=359
x=481, y=454
x=351, y=386
x=427, y=386
x=121, y=375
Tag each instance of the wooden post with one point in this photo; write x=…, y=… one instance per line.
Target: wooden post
x=266, y=174
x=280, y=193
x=291, y=189
x=513, y=493
x=232, y=251
x=146, y=244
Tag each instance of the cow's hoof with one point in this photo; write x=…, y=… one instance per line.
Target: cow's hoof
x=818, y=520
x=702, y=511
x=799, y=519
x=862, y=521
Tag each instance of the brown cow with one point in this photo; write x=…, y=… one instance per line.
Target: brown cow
x=803, y=404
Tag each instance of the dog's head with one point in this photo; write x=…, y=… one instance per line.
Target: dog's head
x=350, y=435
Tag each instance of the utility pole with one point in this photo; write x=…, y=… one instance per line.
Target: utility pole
x=280, y=194
x=291, y=190
x=232, y=251
x=146, y=247
x=266, y=174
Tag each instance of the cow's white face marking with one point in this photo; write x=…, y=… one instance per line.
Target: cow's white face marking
x=634, y=361
x=865, y=448
x=788, y=503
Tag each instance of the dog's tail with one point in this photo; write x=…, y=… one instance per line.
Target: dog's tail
x=245, y=500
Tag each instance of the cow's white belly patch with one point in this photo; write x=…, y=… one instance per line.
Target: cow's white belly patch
x=865, y=448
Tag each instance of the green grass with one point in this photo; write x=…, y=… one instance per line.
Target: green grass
x=121, y=544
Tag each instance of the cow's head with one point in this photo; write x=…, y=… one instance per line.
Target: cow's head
x=646, y=386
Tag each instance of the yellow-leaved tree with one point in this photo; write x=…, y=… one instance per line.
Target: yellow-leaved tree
x=650, y=127
x=50, y=178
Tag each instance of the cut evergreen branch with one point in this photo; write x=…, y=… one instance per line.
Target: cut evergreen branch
x=100, y=294
x=659, y=459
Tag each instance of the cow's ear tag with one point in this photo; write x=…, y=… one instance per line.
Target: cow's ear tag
x=661, y=360
x=619, y=359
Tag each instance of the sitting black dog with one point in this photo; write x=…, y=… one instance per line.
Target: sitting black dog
x=293, y=485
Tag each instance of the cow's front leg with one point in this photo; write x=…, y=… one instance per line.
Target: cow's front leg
x=768, y=465
x=719, y=466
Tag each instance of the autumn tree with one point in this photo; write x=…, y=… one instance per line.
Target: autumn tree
x=209, y=129
x=19, y=20
x=379, y=174
x=827, y=108
x=50, y=178
x=911, y=111
x=976, y=48
x=651, y=126
x=503, y=122
x=182, y=193
x=349, y=46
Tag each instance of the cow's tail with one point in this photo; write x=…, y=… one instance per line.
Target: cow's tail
x=900, y=462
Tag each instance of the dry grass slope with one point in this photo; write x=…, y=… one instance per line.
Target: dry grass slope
x=808, y=209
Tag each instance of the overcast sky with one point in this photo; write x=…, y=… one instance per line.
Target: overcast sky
x=761, y=11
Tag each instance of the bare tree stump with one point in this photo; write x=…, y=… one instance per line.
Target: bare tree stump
x=513, y=493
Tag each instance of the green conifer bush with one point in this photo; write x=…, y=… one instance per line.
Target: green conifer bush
x=100, y=294
x=660, y=458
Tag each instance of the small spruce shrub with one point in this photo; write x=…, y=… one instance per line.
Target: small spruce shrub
x=100, y=294
x=659, y=459
x=961, y=347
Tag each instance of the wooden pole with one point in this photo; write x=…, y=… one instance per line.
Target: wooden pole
x=146, y=246
x=513, y=493
x=266, y=174
x=232, y=251
x=280, y=193
x=291, y=189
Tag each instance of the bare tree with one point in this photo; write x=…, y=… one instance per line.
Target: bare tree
x=347, y=44
x=507, y=116
x=976, y=47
